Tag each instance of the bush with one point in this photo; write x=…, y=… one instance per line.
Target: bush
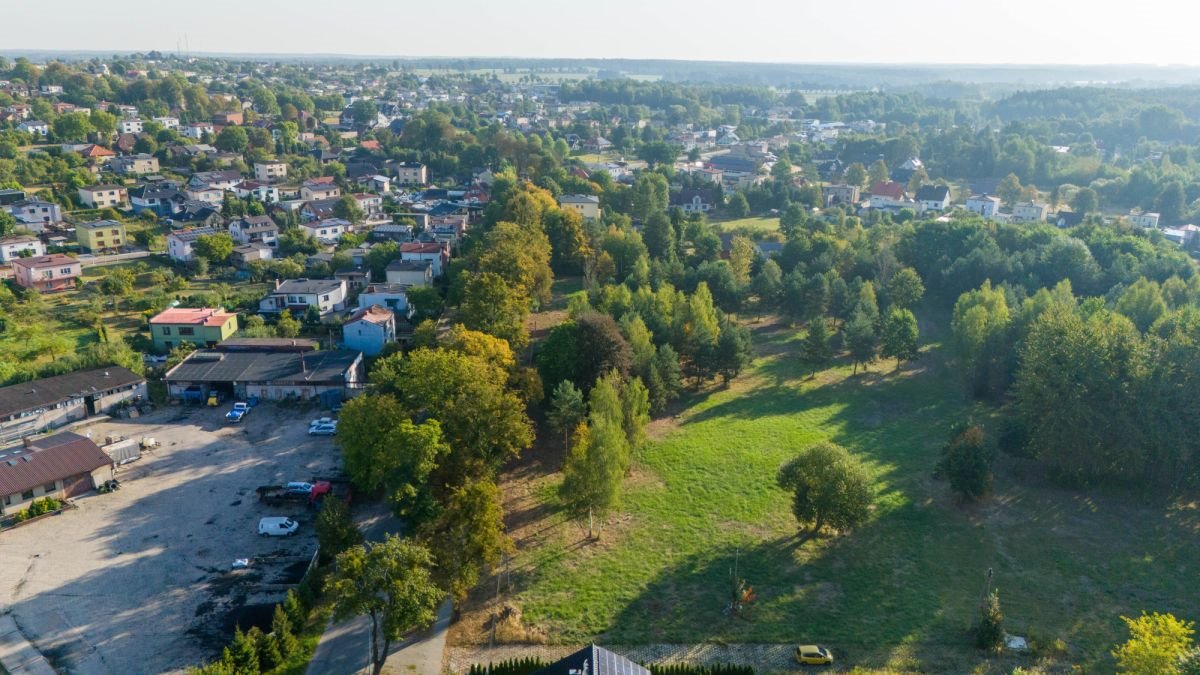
x=967, y=463
x=989, y=633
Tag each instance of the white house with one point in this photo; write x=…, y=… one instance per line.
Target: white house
x=411, y=173
x=435, y=253
x=692, y=201
x=103, y=196
x=130, y=126
x=179, y=244
x=197, y=130
x=369, y=330
x=168, y=122
x=393, y=297
x=255, y=229
x=13, y=247
x=1030, y=212
x=1148, y=221
x=327, y=231
x=297, y=295
x=318, y=189
x=410, y=272
x=36, y=127
x=270, y=172
x=888, y=195
x=985, y=205
x=933, y=198
x=35, y=214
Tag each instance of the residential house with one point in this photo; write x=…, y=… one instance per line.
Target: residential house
x=10, y=196
x=179, y=243
x=319, y=188
x=99, y=236
x=202, y=327
x=379, y=184
x=20, y=245
x=692, y=201
x=103, y=196
x=197, y=130
x=261, y=192
x=369, y=330
x=168, y=122
x=130, y=126
x=51, y=402
x=50, y=89
x=356, y=280
x=163, y=198
x=270, y=171
x=135, y=165
x=35, y=127
x=297, y=295
x=392, y=232
x=1184, y=236
x=933, y=198
x=411, y=173
x=317, y=209
x=269, y=372
x=438, y=254
x=221, y=180
x=327, y=231
x=35, y=214
x=209, y=194
x=587, y=206
x=1030, y=212
x=371, y=205
x=60, y=466
x=984, y=205
x=47, y=273
x=840, y=195
x=1147, y=221
x=393, y=296
x=97, y=155
x=255, y=229
x=248, y=253
x=225, y=119
x=888, y=195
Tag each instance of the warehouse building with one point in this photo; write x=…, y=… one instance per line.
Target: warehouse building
x=61, y=466
x=269, y=374
x=31, y=407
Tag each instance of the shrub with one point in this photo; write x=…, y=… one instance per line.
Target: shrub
x=967, y=463
x=989, y=633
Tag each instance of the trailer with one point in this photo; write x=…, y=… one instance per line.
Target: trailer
x=123, y=451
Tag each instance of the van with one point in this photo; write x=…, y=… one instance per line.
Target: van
x=277, y=527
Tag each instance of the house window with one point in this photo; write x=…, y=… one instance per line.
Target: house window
x=187, y=330
x=166, y=330
x=325, y=298
x=65, y=270
x=28, y=494
x=49, y=488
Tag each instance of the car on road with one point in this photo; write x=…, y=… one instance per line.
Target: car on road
x=277, y=527
x=322, y=430
x=813, y=655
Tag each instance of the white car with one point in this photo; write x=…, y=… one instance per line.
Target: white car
x=322, y=430
x=277, y=527
x=322, y=421
x=299, y=487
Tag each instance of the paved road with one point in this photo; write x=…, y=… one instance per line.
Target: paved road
x=345, y=648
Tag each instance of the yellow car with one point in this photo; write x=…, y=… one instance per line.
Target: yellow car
x=813, y=655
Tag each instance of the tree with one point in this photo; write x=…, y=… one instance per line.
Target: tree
x=73, y=127
x=829, y=488
x=989, y=632
x=287, y=326
x=861, y=340
x=768, y=284
x=659, y=236
x=967, y=463
x=600, y=348
x=815, y=348
x=733, y=352
x=878, y=173
x=905, y=289
x=336, y=532
x=741, y=260
x=214, y=247
x=1086, y=201
x=232, y=139
x=384, y=450
x=364, y=111
x=1009, y=190
x=658, y=152
x=521, y=256
x=425, y=302
x=738, y=207
x=1171, y=203
x=567, y=409
x=899, y=336
x=979, y=333
x=468, y=535
x=856, y=174
x=598, y=458
x=1142, y=303
x=283, y=633
x=347, y=208
x=1157, y=644
x=391, y=583
x=493, y=306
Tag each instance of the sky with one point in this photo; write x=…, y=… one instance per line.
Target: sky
x=789, y=31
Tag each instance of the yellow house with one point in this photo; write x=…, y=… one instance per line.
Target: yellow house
x=100, y=235
x=587, y=206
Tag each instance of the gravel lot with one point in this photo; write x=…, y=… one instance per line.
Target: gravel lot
x=140, y=581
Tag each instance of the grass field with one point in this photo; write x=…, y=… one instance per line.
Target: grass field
x=762, y=224
x=900, y=593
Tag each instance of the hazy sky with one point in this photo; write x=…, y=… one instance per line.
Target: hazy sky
x=874, y=31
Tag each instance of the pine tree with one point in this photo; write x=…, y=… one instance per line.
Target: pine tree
x=900, y=335
x=861, y=340
x=815, y=348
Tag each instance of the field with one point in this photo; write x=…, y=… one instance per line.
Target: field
x=757, y=224
x=898, y=594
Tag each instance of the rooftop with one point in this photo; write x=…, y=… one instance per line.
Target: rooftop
x=373, y=314
x=52, y=260
x=44, y=393
x=208, y=365
x=202, y=316
x=48, y=459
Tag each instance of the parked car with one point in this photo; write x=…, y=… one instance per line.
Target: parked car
x=322, y=420
x=299, y=487
x=813, y=655
x=322, y=430
x=239, y=411
x=277, y=527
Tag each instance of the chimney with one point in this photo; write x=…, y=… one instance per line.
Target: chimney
x=277, y=284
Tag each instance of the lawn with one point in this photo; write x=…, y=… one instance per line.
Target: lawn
x=900, y=593
x=756, y=224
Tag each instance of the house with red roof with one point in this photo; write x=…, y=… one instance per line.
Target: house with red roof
x=47, y=273
x=201, y=326
x=60, y=466
x=437, y=253
x=889, y=195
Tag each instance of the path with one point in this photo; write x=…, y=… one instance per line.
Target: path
x=17, y=655
x=345, y=648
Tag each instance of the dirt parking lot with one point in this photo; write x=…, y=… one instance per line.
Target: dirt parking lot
x=140, y=581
